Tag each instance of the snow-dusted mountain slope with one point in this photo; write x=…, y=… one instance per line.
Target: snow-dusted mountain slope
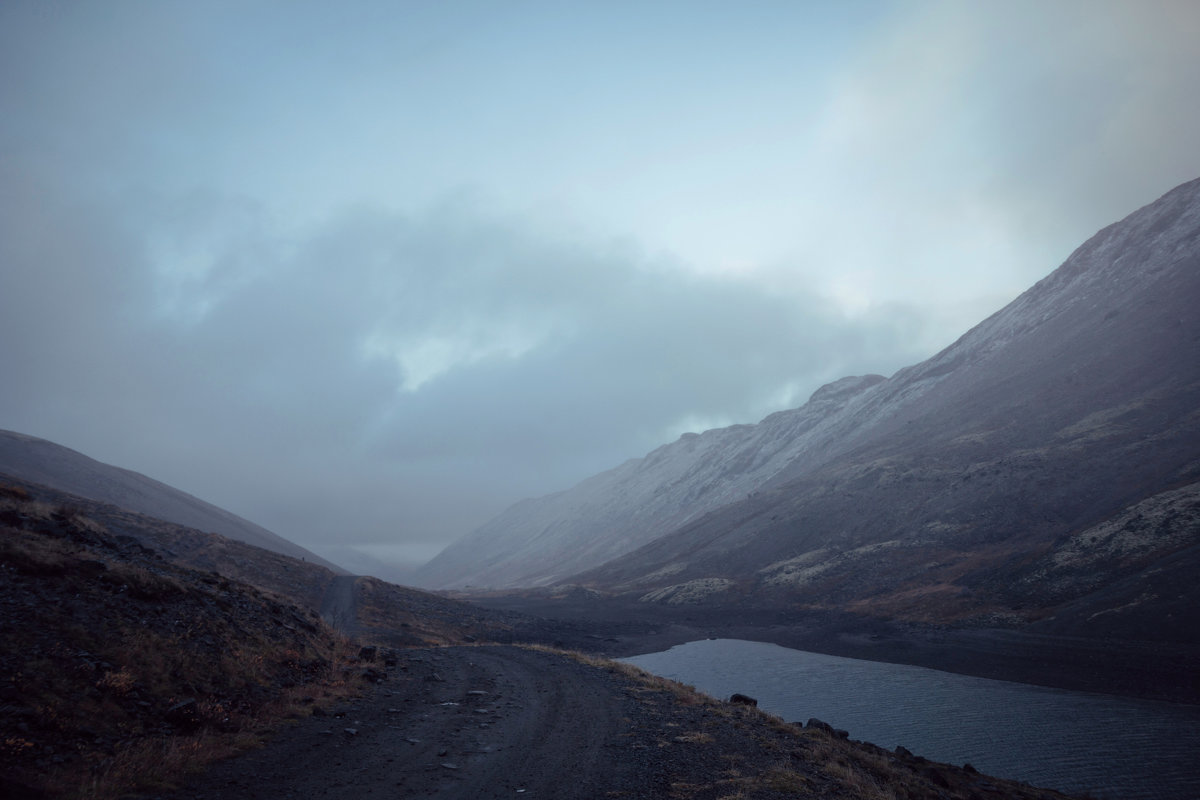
x=958, y=488
x=538, y=541
x=50, y=464
x=1077, y=399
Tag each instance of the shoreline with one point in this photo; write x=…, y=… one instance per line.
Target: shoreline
x=1163, y=671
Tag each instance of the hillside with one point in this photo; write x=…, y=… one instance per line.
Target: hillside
x=49, y=464
x=537, y=542
x=118, y=666
x=1042, y=469
x=124, y=670
x=1049, y=460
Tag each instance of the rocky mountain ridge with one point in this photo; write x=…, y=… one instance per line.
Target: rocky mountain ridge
x=952, y=491
x=536, y=542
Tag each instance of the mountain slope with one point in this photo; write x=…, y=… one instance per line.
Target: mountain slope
x=1064, y=430
x=43, y=462
x=936, y=494
x=539, y=541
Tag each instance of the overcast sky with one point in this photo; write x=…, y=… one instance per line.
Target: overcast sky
x=366, y=273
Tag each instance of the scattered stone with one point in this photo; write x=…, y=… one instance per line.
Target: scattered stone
x=742, y=699
x=351, y=731
x=450, y=766
x=813, y=722
x=433, y=677
x=476, y=693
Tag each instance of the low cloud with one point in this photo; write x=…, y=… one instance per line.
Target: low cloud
x=386, y=378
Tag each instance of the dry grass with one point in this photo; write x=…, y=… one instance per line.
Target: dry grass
x=158, y=763
x=108, y=638
x=647, y=683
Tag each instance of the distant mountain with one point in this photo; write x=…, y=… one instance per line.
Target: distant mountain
x=537, y=542
x=1046, y=466
x=49, y=464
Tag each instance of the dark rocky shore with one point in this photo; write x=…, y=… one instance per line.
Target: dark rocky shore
x=490, y=722
x=618, y=628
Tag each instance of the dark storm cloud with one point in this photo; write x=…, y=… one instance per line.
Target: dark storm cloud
x=236, y=252
x=275, y=374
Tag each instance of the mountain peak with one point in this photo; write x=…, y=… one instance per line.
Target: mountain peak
x=983, y=441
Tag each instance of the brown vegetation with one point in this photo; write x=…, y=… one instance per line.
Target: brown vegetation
x=736, y=751
x=120, y=669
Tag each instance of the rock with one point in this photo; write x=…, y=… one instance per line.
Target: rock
x=184, y=714
x=368, y=653
x=433, y=677
x=903, y=752
x=744, y=700
x=813, y=722
x=374, y=675
x=351, y=731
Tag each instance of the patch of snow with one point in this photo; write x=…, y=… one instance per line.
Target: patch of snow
x=690, y=592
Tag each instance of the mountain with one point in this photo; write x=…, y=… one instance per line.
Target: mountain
x=537, y=542
x=1045, y=468
x=43, y=462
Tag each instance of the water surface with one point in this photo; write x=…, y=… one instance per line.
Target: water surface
x=1105, y=746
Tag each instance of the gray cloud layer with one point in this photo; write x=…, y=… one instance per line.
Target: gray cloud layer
x=295, y=379
x=368, y=274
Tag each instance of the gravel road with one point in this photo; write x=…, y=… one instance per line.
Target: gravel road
x=504, y=722
x=459, y=722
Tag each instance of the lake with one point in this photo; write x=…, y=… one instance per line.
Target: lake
x=1105, y=746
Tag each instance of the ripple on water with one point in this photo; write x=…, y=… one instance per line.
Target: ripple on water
x=1109, y=747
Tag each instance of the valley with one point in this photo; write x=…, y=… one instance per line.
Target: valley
x=1024, y=505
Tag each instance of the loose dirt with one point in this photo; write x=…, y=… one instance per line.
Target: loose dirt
x=484, y=722
x=462, y=722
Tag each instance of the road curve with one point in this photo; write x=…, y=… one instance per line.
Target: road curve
x=459, y=722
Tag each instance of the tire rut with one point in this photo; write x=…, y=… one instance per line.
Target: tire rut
x=460, y=722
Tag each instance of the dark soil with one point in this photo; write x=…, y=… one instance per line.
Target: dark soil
x=503, y=721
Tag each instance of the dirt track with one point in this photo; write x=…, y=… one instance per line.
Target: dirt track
x=463, y=722
x=504, y=722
